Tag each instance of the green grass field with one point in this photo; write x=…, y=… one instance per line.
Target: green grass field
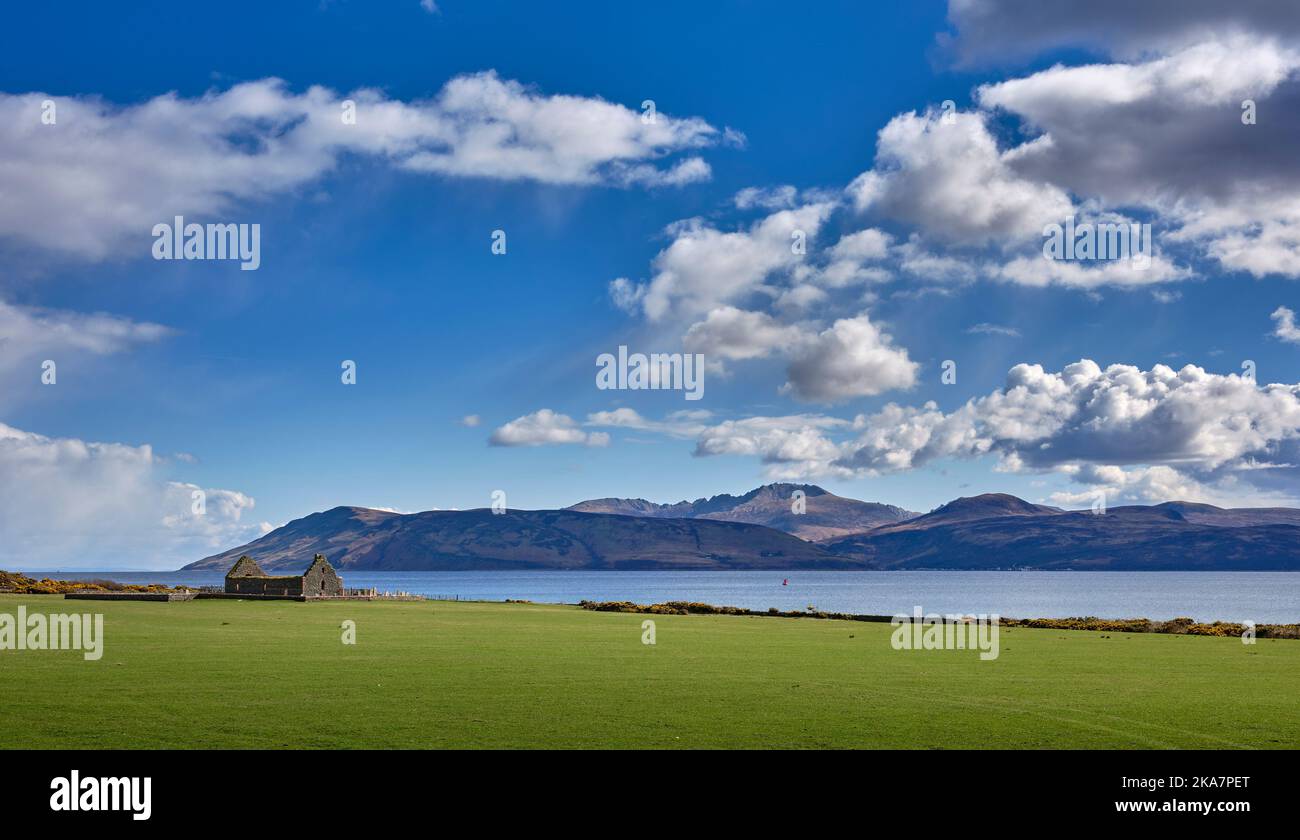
x=220, y=674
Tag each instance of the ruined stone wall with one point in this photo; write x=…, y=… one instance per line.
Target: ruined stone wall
x=265, y=585
x=321, y=579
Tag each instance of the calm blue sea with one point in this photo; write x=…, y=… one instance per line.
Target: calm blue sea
x=1272, y=597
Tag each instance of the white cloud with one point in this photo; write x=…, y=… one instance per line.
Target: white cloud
x=1195, y=422
x=684, y=172
x=1140, y=485
x=852, y=358
x=1088, y=274
x=545, y=427
x=1285, y=328
x=792, y=447
x=930, y=267
x=470, y=421
x=867, y=244
x=800, y=298
x=843, y=273
x=73, y=504
x=1136, y=435
x=30, y=336
x=853, y=260
x=626, y=295
x=766, y=198
x=704, y=268
x=1260, y=248
x=1166, y=134
x=33, y=333
x=730, y=333
x=993, y=329
x=946, y=176
x=680, y=424
x=103, y=173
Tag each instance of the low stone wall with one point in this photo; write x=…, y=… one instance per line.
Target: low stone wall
x=230, y=596
x=247, y=596
x=130, y=596
x=241, y=596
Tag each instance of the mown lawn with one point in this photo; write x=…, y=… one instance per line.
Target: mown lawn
x=219, y=674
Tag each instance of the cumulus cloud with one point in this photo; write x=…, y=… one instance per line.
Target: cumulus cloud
x=852, y=358
x=68, y=503
x=1157, y=130
x=84, y=504
x=104, y=172
x=704, y=268
x=1167, y=134
x=1284, y=325
x=1140, y=485
x=1087, y=274
x=800, y=297
x=730, y=333
x=543, y=428
x=1163, y=133
x=1133, y=435
x=1154, y=133
x=855, y=259
x=1259, y=248
x=868, y=244
x=945, y=175
x=792, y=447
x=1002, y=29
x=774, y=262
x=1197, y=423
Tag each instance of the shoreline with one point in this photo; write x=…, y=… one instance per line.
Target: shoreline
x=1226, y=598
x=1182, y=626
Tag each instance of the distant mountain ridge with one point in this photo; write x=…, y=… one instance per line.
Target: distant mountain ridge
x=968, y=509
x=825, y=515
x=992, y=531
x=1004, y=532
x=360, y=538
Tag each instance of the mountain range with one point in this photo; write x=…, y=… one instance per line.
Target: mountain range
x=1000, y=531
x=360, y=538
x=760, y=530
x=824, y=515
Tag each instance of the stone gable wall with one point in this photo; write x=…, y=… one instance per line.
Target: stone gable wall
x=321, y=579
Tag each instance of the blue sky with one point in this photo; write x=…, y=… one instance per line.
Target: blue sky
x=378, y=250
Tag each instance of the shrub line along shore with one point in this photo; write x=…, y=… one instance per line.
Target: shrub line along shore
x=17, y=583
x=1176, y=626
